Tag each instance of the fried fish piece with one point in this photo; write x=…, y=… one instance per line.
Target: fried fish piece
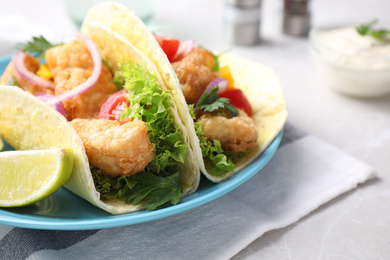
x=71, y=64
x=195, y=72
x=114, y=148
x=235, y=133
x=32, y=64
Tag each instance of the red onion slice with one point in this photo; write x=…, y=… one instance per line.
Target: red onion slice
x=57, y=106
x=184, y=48
x=222, y=86
x=18, y=60
x=91, y=81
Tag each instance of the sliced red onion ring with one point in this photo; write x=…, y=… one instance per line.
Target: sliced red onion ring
x=184, y=48
x=91, y=81
x=18, y=61
x=222, y=86
x=57, y=106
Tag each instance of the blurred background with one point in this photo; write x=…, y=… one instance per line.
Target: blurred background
x=205, y=22
x=357, y=126
x=184, y=19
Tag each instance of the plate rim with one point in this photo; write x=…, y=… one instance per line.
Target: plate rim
x=61, y=223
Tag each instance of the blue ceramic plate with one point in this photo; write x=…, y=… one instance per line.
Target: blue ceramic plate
x=65, y=211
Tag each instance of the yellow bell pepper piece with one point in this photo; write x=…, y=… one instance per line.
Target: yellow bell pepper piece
x=225, y=73
x=44, y=72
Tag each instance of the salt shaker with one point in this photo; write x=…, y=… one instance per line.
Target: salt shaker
x=242, y=21
x=296, y=17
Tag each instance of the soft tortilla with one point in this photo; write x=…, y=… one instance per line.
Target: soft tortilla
x=27, y=123
x=116, y=50
x=259, y=83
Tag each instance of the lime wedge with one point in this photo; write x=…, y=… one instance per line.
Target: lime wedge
x=29, y=176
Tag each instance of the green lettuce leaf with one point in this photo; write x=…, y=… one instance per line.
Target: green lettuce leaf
x=158, y=183
x=223, y=161
x=159, y=189
x=214, y=152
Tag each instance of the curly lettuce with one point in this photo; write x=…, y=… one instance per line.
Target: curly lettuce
x=223, y=161
x=158, y=183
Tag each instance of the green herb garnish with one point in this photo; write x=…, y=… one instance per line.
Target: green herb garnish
x=38, y=46
x=12, y=82
x=211, y=102
x=366, y=29
x=216, y=60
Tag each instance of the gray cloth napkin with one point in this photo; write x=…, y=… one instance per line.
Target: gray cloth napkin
x=304, y=174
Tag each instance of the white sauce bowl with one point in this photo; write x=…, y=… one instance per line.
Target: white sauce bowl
x=350, y=63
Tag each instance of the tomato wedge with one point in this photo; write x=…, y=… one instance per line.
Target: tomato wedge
x=168, y=45
x=238, y=99
x=113, y=107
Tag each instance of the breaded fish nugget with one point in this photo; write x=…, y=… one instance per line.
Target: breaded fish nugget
x=32, y=64
x=71, y=64
x=195, y=72
x=235, y=133
x=114, y=148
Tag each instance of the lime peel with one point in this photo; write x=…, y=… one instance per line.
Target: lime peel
x=32, y=175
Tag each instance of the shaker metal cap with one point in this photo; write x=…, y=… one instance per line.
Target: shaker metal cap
x=296, y=25
x=244, y=3
x=296, y=17
x=242, y=21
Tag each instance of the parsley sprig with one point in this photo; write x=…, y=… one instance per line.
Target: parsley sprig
x=38, y=46
x=367, y=29
x=211, y=101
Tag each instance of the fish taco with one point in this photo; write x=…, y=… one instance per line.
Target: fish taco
x=232, y=107
x=106, y=100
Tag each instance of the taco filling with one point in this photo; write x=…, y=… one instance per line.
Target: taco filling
x=126, y=125
x=221, y=112
x=237, y=105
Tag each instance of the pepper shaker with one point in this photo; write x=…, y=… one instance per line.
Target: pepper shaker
x=242, y=21
x=296, y=17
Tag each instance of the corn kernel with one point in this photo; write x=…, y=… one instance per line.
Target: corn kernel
x=44, y=72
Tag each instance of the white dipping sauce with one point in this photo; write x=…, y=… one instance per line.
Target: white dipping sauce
x=351, y=63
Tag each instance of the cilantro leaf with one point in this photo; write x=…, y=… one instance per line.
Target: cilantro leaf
x=211, y=102
x=366, y=29
x=38, y=45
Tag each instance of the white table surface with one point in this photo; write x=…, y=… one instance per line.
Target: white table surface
x=355, y=225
